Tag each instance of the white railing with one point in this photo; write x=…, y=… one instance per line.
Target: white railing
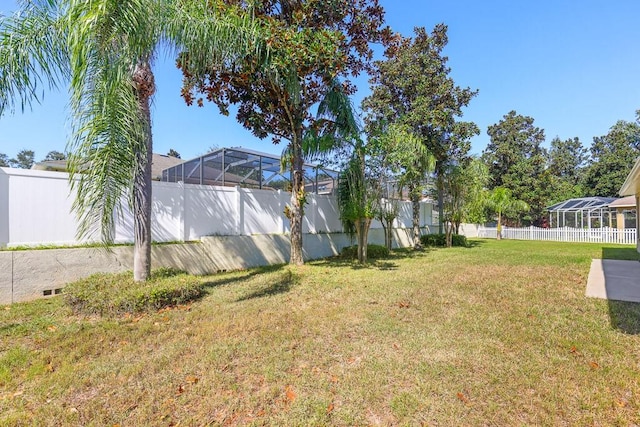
x=627, y=236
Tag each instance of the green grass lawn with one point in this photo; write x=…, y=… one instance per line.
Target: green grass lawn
x=496, y=334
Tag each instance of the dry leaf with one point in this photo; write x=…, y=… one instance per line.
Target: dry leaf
x=621, y=403
x=330, y=408
x=50, y=367
x=334, y=379
x=191, y=379
x=291, y=395
x=52, y=328
x=594, y=365
x=396, y=345
x=462, y=398
x=180, y=389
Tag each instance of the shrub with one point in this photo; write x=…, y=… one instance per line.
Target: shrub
x=373, y=252
x=115, y=294
x=441, y=240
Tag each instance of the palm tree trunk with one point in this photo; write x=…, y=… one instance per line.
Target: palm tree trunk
x=499, y=227
x=145, y=87
x=362, y=230
x=297, y=200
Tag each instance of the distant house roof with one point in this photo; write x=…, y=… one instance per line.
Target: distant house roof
x=159, y=162
x=624, y=202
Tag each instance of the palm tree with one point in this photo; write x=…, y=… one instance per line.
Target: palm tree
x=339, y=130
x=412, y=161
x=501, y=201
x=111, y=45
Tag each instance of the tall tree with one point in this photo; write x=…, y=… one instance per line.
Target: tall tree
x=173, y=153
x=111, y=46
x=54, y=155
x=413, y=86
x=567, y=161
x=517, y=161
x=23, y=160
x=4, y=161
x=311, y=43
x=612, y=157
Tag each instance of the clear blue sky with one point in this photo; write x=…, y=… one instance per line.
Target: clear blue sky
x=571, y=65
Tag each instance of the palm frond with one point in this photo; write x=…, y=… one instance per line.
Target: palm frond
x=33, y=55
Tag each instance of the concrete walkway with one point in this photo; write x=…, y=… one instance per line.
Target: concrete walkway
x=614, y=279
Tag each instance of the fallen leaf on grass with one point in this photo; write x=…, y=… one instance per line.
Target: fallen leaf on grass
x=396, y=345
x=191, y=379
x=334, y=379
x=594, y=365
x=50, y=367
x=621, y=403
x=52, y=328
x=462, y=398
x=404, y=304
x=330, y=408
x=180, y=390
x=290, y=394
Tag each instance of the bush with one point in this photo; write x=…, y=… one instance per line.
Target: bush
x=115, y=294
x=441, y=240
x=373, y=252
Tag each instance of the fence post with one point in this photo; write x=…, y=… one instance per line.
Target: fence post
x=240, y=210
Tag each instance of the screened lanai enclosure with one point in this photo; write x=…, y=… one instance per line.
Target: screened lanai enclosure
x=584, y=212
x=248, y=169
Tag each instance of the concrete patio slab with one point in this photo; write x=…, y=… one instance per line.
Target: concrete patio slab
x=614, y=279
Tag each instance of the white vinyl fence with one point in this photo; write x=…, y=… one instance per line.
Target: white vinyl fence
x=627, y=236
x=35, y=209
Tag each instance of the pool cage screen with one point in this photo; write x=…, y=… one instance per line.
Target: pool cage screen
x=585, y=212
x=248, y=169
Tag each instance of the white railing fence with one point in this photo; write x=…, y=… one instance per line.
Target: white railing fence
x=627, y=236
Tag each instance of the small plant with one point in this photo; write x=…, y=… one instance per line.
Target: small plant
x=115, y=294
x=441, y=240
x=373, y=252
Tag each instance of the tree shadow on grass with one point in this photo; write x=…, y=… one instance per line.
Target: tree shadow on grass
x=625, y=316
x=244, y=275
x=282, y=283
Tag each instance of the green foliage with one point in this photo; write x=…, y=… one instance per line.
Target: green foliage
x=612, y=157
x=23, y=160
x=413, y=87
x=441, y=240
x=174, y=153
x=517, y=161
x=567, y=160
x=116, y=294
x=4, y=160
x=373, y=252
x=54, y=155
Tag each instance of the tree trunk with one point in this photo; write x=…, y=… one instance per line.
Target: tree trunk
x=415, y=205
x=499, y=227
x=387, y=225
x=440, y=185
x=296, y=208
x=362, y=231
x=145, y=88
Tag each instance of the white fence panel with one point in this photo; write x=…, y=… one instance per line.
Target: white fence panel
x=35, y=209
x=627, y=236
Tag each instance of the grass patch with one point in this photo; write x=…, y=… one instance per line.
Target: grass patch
x=498, y=333
x=116, y=294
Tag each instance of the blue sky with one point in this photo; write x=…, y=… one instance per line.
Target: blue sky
x=571, y=65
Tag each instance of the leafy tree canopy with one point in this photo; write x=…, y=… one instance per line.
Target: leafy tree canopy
x=567, y=161
x=54, y=155
x=23, y=160
x=173, y=153
x=612, y=157
x=413, y=86
x=4, y=160
x=518, y=162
